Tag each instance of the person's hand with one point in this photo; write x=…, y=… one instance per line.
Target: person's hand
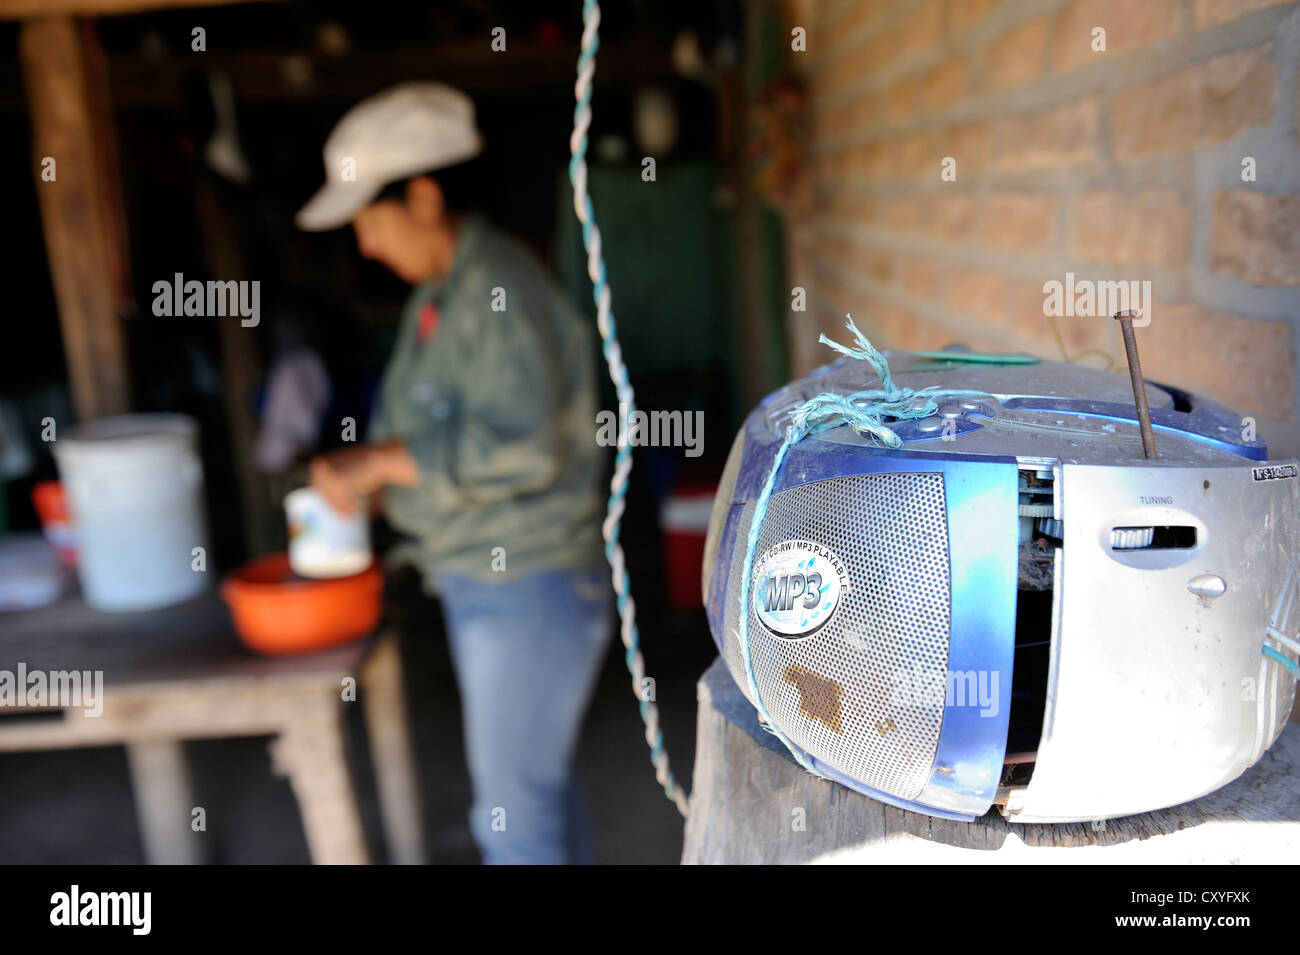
x=351, y=474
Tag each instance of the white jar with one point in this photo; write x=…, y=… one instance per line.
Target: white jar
x=323, y=542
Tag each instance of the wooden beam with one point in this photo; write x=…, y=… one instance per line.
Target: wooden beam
x=104, y=131
x=263, y=75
x=259, y=75
x=241, y=370
x=25, y=9
x=54, y=56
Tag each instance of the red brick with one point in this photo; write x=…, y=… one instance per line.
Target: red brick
x=873, y=262
x=950, y=215
x=915, y=157
x=908, y=213
x=1237, y=92
x=977, y=293
x=944, y=85
x=922, y=279
x=921, y=28
x=1019, y=223
x=888, y=322
x=856, y=258
x=1057, y=137
x=879, y=51
x=842, y=17
x=831, y=124
x=968, y=143
x=1087, y=341
x=917, y=333
x=870, y=160
x=1149, y=228
x=881, y=321
x=963, y=14
x=1210, y=12
x=940, y=215
x=843, y=73
x=850, y=117
x=1155, y=117
x=1246, y=363
x=1128, y=25
x=1257, y=237
x=1206, y=104
x=826, y=294
x=900, y=99
x=1018, y=56
x=854, y=208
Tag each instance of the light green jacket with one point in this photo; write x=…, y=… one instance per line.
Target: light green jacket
x=498, y=408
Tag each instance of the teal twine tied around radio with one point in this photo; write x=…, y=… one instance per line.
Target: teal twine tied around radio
x=863, y=411
x=627, y=402
x=1282, y=611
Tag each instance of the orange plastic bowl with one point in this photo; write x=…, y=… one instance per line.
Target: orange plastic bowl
x=278, y=613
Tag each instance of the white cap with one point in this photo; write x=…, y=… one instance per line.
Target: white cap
x=411, y=128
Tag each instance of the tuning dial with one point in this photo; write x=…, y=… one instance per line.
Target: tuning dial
x=1131, y=538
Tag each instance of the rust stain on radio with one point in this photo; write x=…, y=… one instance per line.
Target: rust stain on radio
x=819, y=697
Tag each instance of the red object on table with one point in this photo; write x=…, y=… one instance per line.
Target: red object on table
x=683, y=523
x=52, y=509
x=276, y=612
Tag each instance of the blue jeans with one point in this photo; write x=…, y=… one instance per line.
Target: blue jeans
x=527, y=653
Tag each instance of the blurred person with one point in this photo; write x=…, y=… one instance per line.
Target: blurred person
x=482, y=448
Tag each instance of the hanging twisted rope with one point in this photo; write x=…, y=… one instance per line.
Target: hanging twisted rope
x=626, y=400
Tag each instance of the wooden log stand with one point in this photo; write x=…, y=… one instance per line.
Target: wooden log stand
x=751, y=803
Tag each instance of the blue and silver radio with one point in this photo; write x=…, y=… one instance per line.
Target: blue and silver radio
x=1014, y=607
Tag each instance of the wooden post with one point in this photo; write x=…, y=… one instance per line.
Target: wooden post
x=241, y=368
x=74, y=205
x=164, y=799
x=383, y=694
x=311, y=752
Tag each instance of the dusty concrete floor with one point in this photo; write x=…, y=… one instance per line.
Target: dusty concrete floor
x=76, y=806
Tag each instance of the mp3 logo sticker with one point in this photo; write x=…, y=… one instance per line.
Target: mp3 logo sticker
x=797, y=586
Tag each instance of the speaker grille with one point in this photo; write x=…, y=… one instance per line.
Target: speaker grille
x=865, y=692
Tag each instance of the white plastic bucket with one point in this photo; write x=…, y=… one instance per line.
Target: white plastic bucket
x=135, y=493
x=323, y=542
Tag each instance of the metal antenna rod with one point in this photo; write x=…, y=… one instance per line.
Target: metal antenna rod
x=1125, y=320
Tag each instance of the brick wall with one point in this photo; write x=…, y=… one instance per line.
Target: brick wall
x=1119, y=164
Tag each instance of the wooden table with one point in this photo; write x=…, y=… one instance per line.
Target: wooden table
x=749, y=794
x=180, y=673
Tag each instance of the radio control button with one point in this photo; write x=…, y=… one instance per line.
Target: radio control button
x=1208, y=586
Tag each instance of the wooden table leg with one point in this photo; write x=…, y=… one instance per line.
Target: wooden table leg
x=311, y=752
x=383, y=696
x=164, y=802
